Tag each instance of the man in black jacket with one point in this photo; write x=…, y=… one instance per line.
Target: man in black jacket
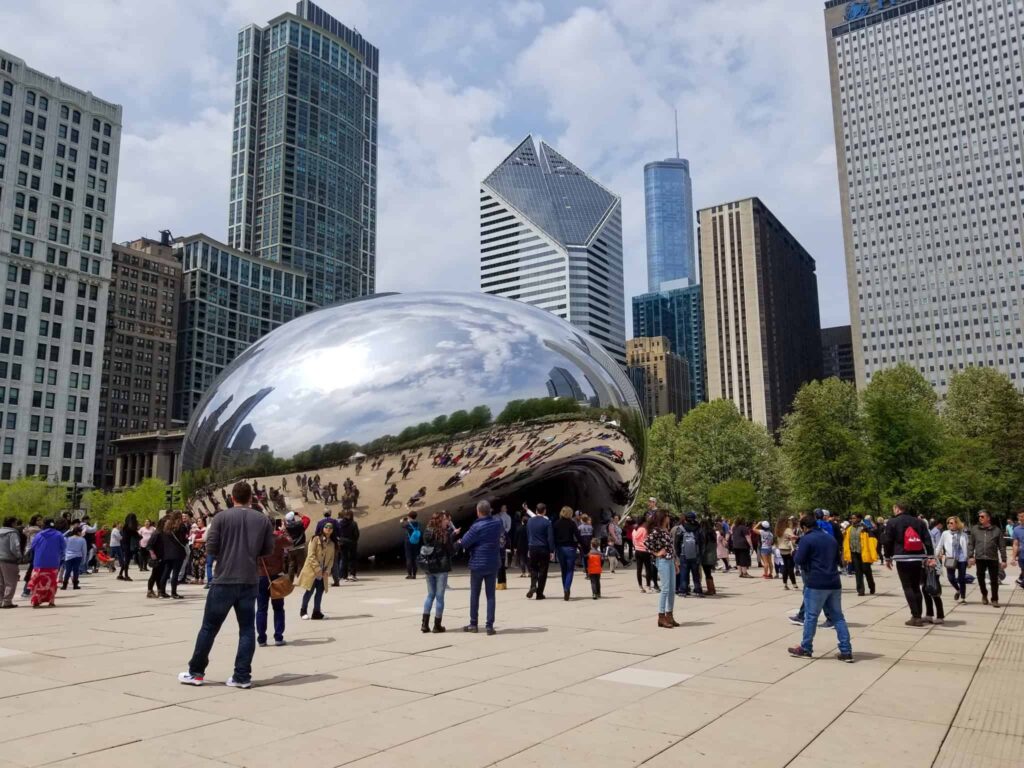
x=986, y=548
x=908, y=542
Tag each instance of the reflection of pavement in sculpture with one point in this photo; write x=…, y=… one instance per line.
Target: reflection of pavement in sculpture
x=524, y=453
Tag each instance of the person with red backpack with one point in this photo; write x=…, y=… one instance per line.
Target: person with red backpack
x=909, y=544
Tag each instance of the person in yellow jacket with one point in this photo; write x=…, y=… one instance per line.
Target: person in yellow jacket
x=860, y=549
x=315, y=574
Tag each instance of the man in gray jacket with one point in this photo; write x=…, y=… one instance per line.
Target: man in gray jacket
x=10, y=556
x=986, y=549
x=236, y=538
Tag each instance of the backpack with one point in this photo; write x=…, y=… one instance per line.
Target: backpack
x=689, y=548
x=414, y=535
x=911, y=541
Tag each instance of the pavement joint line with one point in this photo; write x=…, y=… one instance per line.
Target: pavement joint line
x=91, y=752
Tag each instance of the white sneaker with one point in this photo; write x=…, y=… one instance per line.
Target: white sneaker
x=187, y=678
x=303, y=617
x=231, y=683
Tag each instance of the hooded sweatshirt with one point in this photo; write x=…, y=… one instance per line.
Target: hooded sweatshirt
x=48, y=548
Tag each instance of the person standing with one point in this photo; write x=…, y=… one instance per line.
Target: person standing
x=709, y=556
x=659, y=546
x=690, y=552
x=271, y=567
x=644, y=563
x=860, y=550
x=436, y=559
x=154, y=548
x=317, y=569
x=740, y=537
x=593, y=564
x=348, y=541
x=174, y=550
x=48, y=548
x=10, y=558
x=540, y=541
x=785, y=538
x=144, y=551
x=35, y=525
x=722, y=548
x=522, y=547
x=567, y=545
x=766, y=542
x=818, y=558
x=295, y=528
x=129, y=544
x=75, y=553
x=909, y=544
x=952, y=551
x=987, y=550
x=237, y=536
x=413, y=536
x=483, y=542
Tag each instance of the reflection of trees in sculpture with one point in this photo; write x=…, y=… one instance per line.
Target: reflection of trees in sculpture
x=536, y=407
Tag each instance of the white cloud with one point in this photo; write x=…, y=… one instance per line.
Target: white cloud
x=523, y=12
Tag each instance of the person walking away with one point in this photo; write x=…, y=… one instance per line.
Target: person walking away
x=860, y=550
x=740, y=538
x=709, y=554
x=10, y=558
x=690, y=552
x=594, y=567
x=659, y=546
x=765, y=545
x=952, y=553
x=237, y=536
x=271, y=567
x=987, y=550
x=76, y=551
x=348, y=541
x=818, y=558
x=540, y=542
x=483, y=543
x=785, y=539
x=910, y=545
x=48, y=548
x=933, y=610
x=413, y=534
x=644, y=563
x=317, y=569
x=567, y=545
x=436, y=561
x=1017, y=536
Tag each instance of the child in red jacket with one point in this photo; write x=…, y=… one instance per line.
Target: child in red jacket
x=594, y=567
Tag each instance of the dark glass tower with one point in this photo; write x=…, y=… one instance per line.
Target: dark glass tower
x=678, y=315
x=304, y=152
x=668, y=206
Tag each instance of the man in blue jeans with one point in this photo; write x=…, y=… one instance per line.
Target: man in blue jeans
x=818, y=557
x=483, y=543
x=236, y=537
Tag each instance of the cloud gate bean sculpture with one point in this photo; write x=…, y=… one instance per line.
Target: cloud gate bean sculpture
x=427, y=401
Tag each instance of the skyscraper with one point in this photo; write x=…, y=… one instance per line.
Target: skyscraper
x=762, y=331
x=837, y=354
x=668, y=207
x=552, y=236
x=665, y=387
x=678, y=315
x=304, y=152
x=57, y=189
x=928, y=116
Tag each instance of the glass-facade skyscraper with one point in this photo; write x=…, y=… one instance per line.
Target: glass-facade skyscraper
x=668, y=206
x=304, y=152
x=678, y=315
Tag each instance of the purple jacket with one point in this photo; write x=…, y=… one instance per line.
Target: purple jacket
x=48, y=548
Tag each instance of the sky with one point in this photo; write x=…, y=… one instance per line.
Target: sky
x=462, y=83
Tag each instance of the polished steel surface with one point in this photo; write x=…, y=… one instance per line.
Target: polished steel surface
x=426, y=376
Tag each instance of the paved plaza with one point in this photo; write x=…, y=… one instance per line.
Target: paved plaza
x=596, y=683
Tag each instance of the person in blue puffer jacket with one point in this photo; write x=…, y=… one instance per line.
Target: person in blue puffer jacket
x=483, y=543
x=48, y=548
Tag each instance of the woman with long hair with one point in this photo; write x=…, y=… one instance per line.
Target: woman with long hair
x=129, y=543
x=952, y=552
x=741, y=547
x=314, y=578
x=175, y=549
x=567, y=547
x=659, y=546
x=436, y=559
x=154, y=549
x=785, y=539
x=644, y=564
x=197, y=541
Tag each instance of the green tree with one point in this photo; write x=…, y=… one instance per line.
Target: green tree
x=734, y=499
x=663, y=471
x=29, y=496
x=823, y=447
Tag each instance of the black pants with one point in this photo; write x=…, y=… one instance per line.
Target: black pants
x=156, y=568
x=862, y=571
x=412, y=551
x=911, y=573
x=932, y=603
x=992, y=568
x=170, y=570
x=789, y=570
x=645, y=567
x=127, y=553
x=539, y=560
x=595, y=584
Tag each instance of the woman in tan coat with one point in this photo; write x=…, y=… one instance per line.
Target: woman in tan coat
x=318, y=566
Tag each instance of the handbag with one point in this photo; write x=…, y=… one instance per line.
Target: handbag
x=280, y=587
x=949, y=562
x=932, y=582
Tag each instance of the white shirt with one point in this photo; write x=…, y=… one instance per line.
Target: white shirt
x=947, y=547
x=115, y=537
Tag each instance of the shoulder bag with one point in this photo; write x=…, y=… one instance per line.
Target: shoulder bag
x=280, y=587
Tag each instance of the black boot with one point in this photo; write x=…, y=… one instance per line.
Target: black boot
x=437, y=625
x=425, y=626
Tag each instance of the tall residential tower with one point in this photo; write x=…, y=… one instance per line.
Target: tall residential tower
x=928, y=115
x=552, y=236
x=304, y=152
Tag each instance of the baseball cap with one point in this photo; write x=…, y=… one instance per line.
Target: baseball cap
x=819, y=513
x=290, y=517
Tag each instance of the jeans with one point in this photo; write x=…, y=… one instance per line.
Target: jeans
x=690, y=569
x=437, y=583
x=862, y=571
x=829, y=600
x=118, y=554
x=209, y=568
x=567, y=562
x=317, y=592
x=72, y=567
x=957, y=576
x=992, y=568
x=170, y=569
x=667, y=577
x=539, y=560
x=262, y=601
x=911, y=575
x=220, y=600
x=476, y=578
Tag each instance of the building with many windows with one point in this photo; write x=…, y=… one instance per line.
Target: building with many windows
x=668, y=208
x=139, y=347
x=304, y=152
x=837, y=353
x=551, y=236
x=664, y=387
x=761, y=326
x=229, y=299
x=928, y=111
x=676, y=313
x=59, y=151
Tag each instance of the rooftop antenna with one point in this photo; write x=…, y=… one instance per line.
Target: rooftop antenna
x=676, y=113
